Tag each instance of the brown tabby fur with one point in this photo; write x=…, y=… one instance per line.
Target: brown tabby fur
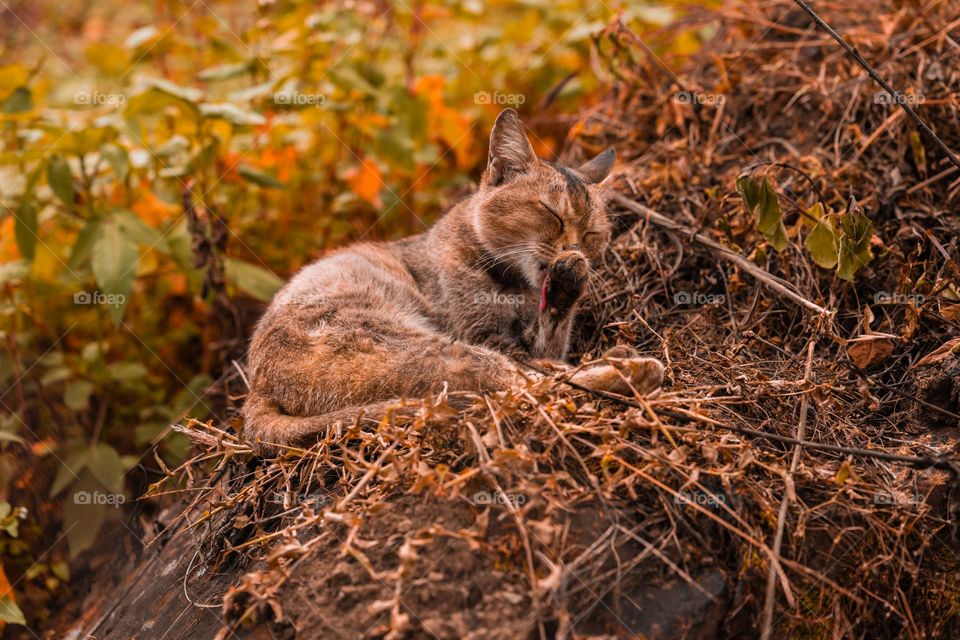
x=379, y=321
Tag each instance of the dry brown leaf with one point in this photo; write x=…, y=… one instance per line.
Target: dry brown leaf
x=940, y=353
x=951, y=312
x=911, y=319
x=866, y=353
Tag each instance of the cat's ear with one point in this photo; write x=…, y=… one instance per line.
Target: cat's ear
x=599, y=168
x=510, y=151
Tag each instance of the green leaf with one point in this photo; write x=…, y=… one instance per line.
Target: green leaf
x=69, y=471
x=770, y=219
x=351, y=78
x=258, y=177
x=92, y=351
x=61, y=180
x=76, y=394
x=857, y=231
x=20, y=101
x=127, y=371
x=823, y=244
x=83, y=245
x=9, y=611
x=139, y=231
x=814, y=211
x=187, y=94
x=105, y=464
x=251, y=279
x=749, y=190
x=115, y=260
x=225, y=71
x=144, y=433
x=54, y=375
x=82, y=515
x=919, y=152
x=761, y=200
x=161, y=94
x=118, y=159
x=232, y=114
x=61, y=570
x=181, y=245
x=25, y=229
x=190, y=398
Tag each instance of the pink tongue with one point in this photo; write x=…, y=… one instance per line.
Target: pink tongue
x=543, y=293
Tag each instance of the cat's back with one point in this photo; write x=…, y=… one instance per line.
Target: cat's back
x=364, y=275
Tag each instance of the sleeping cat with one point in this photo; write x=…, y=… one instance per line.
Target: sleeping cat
x=499, y=275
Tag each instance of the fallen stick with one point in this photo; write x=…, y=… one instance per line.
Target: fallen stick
x=775, y=283
x=897, y=96
x=771, y=593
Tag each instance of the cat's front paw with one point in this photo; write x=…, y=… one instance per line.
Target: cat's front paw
x=565, y=282
x=644, y=374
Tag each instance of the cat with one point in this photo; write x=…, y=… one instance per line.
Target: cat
x=495, y=281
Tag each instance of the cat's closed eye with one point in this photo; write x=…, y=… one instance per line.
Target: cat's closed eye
x=556, y=217
x=592, y=240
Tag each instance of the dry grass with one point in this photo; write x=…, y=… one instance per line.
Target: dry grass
x=851, y=539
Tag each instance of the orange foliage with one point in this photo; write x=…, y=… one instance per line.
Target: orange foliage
x=151, y=208
x=366, y=181
x=452, y=126
x=8, y=246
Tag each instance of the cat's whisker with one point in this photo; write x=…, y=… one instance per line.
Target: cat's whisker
x=596, y=278
x=491, y=259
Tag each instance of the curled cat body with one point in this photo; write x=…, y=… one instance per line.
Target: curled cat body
x=497, y=278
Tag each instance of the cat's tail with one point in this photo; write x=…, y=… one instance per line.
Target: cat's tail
x=268, y=430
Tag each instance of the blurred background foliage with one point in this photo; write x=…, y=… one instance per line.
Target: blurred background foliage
x=302, y=125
